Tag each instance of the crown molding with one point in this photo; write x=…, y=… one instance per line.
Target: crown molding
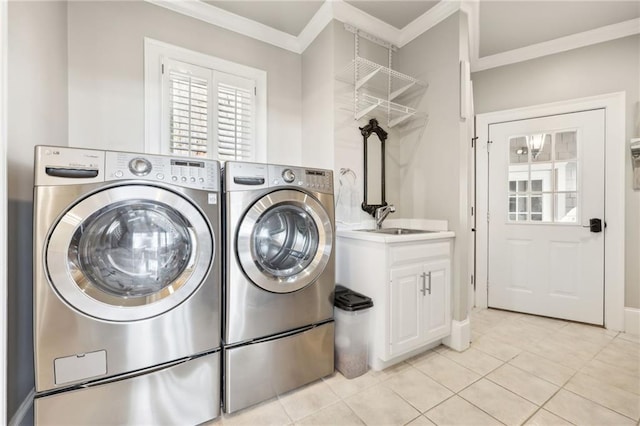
x=318, y=22
x=331, y=9
x=342, y=11
x=230, y=21
x=559, y=45
x=427, y=20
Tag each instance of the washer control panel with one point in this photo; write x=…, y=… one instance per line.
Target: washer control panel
x=187, y=172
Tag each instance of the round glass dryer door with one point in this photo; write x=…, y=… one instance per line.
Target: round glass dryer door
x=129, y=253
x=284, y=241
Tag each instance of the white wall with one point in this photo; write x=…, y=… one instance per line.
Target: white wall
x=37, y=114
x=603, y=68
x=106, y=75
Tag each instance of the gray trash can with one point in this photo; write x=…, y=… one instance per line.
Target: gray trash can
x=351, y=315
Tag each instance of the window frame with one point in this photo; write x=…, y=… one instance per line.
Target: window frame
x=155, y=54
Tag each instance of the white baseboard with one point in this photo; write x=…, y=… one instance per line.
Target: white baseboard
x=27, y=402
x=632, y=321
x=460, y=337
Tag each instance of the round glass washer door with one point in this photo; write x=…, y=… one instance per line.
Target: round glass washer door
x=129, y=253
x=284, y=241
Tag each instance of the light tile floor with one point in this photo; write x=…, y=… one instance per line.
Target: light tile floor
x=520, y=369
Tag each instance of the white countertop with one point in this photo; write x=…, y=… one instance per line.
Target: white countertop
x=440, y=226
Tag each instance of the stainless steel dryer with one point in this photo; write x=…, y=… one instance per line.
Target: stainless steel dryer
x=279, y=280
x=126, y=288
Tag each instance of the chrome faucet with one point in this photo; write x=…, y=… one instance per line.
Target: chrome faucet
x=382, y=213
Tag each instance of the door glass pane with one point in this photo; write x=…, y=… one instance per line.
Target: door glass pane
x=285, y=240
x=536, y=185
x=540, y=147
x=518, y=178
x=518, y=208
x=566, y=146
x=132, y=248
x=567, y=207
x=518, y=150
x=542, y=174
x=541, y=208
x=566, y=175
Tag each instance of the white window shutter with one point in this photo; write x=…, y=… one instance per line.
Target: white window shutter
x=235, y=117
x=187, y=109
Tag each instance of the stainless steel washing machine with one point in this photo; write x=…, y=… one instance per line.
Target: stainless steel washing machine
x=279, y=280
x=127, y=288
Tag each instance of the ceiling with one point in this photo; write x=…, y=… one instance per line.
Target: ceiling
x=288, y=16
x=291, y=16
x=501, y=31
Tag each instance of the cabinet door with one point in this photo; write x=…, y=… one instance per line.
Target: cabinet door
x=405, y=310
x=437, y=308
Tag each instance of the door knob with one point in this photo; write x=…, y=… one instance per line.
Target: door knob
x=595, y=225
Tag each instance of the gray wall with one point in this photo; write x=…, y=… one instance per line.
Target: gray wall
x=106, y=75
x=318, y=101
x=75, y=77
x=433, y=164
x=548, y=21
x=603, y=68
x=426, y=164
x=331, y=137
x=37, y=114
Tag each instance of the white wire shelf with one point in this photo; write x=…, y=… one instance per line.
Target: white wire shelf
x=377, y=78
x=396, y=114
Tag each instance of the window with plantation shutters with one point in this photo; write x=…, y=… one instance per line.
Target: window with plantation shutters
x=201, y=110
x=189, y=115
x=235, y=117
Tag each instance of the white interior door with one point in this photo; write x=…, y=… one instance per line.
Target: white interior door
x=546, y=182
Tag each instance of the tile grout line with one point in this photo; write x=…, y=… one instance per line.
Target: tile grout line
x=384, y=379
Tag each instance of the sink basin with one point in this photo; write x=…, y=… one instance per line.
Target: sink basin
x=396, y=231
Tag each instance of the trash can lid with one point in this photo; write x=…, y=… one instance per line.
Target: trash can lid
x=349, y=300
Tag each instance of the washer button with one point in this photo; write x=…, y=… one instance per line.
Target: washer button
x=160, y=176
x=174, y=178
x=118, y=174
x=184, y=178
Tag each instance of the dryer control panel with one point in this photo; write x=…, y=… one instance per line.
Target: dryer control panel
x=186, y=172
x=240, y=176
x=311, y=179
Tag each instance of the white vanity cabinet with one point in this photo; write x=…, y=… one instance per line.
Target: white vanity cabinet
x=409, y=280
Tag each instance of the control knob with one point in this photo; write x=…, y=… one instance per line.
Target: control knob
x=140, y=166
x=288, y=175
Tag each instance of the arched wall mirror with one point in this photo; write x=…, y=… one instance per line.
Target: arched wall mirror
x=373, y=137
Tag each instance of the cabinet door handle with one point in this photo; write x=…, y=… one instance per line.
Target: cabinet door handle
x=429, y=275
x=423, y=290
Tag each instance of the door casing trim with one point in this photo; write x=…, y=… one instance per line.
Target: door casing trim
x=614, y=264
